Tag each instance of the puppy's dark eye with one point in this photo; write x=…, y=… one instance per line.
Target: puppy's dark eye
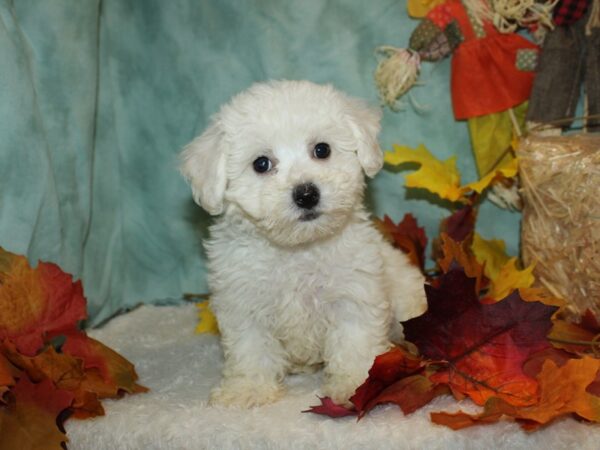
x=322, y=150
x=262, y=164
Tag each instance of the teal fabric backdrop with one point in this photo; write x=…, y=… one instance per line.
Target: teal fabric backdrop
x=98, y=97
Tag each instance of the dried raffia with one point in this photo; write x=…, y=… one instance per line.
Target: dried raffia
x=560, y=178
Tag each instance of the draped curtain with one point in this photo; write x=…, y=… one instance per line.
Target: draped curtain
x=97, y=97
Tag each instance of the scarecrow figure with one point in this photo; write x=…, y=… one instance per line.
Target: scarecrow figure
x=491, y=73
x=570, y=58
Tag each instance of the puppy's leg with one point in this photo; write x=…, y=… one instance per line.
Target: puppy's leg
x=359, y=334
x=404, y=284
x=254, y=366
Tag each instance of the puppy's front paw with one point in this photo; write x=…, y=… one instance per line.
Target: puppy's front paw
x=244, y=393
x=340, y=389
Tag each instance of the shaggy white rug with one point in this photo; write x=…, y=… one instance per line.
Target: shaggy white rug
x=180, y=368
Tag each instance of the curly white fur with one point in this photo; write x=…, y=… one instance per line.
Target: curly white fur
x=291, y=294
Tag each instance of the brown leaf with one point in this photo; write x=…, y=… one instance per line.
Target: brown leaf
x=67, y=373
x=63, y=370
x=460, y=420
x=107, y=371
x=566, y=335
x=30, y=422
x=461, y=254
x=86, y=403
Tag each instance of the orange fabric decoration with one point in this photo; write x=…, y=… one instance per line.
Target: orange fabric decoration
x=485, y=78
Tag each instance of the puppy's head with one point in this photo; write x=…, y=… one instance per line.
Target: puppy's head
x=290, y=155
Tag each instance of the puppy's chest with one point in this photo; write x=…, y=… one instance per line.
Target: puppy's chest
x=304, y=285
x=296, y=293
x=302, y=292
x=304, y=309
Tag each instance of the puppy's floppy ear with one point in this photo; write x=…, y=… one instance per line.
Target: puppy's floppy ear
x=364, y=122
x=203, y=166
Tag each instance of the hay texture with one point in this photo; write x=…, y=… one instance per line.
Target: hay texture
x=560, y=178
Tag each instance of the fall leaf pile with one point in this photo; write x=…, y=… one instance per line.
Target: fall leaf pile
x=487, y=335
x=49, y=369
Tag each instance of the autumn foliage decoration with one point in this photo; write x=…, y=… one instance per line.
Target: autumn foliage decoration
x=49, y=368
x=487, y=335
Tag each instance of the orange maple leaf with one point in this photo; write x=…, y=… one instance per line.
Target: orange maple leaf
x=36, y=303
x=563, y=390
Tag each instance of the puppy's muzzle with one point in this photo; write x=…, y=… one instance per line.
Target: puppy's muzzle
x=306, y=196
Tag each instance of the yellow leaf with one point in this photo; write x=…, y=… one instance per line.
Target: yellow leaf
x=507, y=170
x=543, y=295
x=419, y=8
x=511, y=278
x=207, y=320
x=439, y=177
x=442, y=177
x=491, y=254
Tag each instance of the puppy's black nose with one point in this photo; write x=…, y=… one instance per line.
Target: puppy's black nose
x=306, y=195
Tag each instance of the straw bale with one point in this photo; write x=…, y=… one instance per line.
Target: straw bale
x=560, y=183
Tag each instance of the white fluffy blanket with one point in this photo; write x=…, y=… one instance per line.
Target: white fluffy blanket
x=180, y=368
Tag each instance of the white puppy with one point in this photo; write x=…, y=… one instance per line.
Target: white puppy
x=299, y=276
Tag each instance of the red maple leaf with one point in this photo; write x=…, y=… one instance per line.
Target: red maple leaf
x=331, y=409
x=590, y=322
x=406, y=236
x=481, y=347
x=460, y=225
x=395, y=377
x=31, y=419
